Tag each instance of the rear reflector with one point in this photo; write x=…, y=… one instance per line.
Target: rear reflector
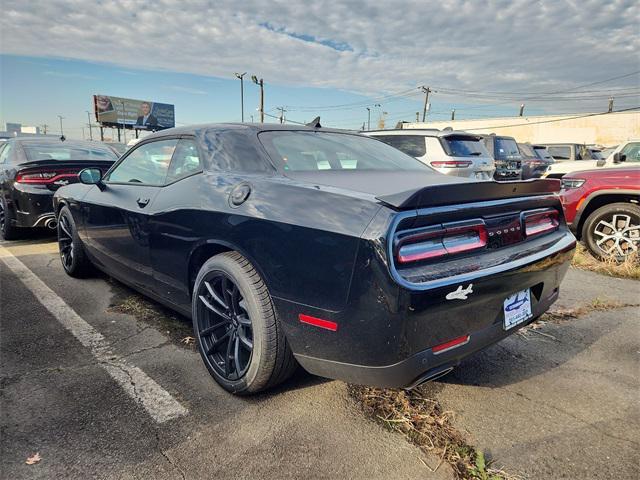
x=456, y=342
x=541, y=222
x=451, y=164
x=318, y=322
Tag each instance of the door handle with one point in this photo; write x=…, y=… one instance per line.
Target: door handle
x=143, y=202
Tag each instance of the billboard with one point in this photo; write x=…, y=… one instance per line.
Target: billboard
x=142, y=114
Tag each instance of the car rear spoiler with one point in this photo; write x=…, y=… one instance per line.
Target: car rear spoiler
x=436, y=195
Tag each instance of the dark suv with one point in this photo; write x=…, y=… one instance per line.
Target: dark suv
x=507, y=156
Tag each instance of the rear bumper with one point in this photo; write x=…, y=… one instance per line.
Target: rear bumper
x=32, y=205
x=422, y=366
x=386, y=334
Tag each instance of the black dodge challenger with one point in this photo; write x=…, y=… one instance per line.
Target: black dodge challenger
x=324, y=248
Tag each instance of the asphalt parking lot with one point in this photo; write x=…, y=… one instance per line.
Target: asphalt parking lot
x=103, y=394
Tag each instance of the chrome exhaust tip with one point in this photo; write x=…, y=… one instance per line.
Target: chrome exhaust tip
x=430, y=376
x=51, y=224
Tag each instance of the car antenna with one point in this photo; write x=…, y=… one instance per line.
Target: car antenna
x=315, y=123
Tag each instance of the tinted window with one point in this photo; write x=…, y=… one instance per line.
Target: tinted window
x=309, y=151
x=185, y=161
x=147, y=164
x=526, y=150
x=542, y=153
x=232, y=150
x=413, y=145
x=461, y=146
x=506, y=149
x=632, y=152
x=66, y=151
x=560, y=153
x=4, y=152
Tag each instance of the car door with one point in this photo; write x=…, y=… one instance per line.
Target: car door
x=175, y=223
x=116, y=213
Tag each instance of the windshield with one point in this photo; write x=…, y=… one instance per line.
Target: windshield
x=596, y=155
x=461, y=146
x=506, y=149
x=526, y=150
x=61, y=151
x=543, y=153
x=311, y=151
x=413, y=145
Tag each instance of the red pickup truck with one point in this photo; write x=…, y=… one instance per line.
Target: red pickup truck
x=601, y=207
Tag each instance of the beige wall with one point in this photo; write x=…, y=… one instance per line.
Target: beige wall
x=610, y=129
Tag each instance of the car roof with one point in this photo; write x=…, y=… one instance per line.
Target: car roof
x=254, y=128
x=54, y=139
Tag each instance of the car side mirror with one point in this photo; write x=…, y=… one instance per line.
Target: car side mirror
x=619, y=158
x=91, y=176
x=601, y=163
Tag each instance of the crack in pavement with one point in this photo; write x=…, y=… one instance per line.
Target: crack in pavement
x=165, y=455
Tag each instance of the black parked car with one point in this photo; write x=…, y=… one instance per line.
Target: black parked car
x=507, y=156
x=535, y=160
x=32, y=169
x=323, y=247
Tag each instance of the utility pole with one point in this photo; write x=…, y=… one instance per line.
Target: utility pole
x=282, y=110
x=61, y=131
x=453, y=114
x=417, y=117
x=521, y=109
x=240, y=75
x=44, y=127
x=610, y=104
x=426, y=91
x=89, y=118
x=260, y=83
x=368, y=118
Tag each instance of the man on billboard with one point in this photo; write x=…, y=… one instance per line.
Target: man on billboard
x=146, y=119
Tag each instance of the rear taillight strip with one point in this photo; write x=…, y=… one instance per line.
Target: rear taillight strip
x=537, y=223
x=44, y=177
x=451, y=164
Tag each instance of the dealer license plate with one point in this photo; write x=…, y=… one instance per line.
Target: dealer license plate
x=517, y=309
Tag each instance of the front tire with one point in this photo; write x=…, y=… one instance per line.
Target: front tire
x=239, y=337
x=72, y=254
x=613, y=231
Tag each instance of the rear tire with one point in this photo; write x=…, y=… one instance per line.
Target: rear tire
x=613, y=231
x=239, y=336
x=7, y=229
x=72, y=254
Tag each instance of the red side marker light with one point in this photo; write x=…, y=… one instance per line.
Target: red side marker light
x=318, y=322
x=456, y=342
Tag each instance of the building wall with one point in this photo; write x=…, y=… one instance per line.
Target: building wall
x=608, y=130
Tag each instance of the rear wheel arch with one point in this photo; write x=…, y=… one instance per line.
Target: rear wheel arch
x=600, y=200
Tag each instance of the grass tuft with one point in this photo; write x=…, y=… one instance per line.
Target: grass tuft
x=630, y=268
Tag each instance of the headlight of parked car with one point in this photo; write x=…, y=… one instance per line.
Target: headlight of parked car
x=572, y=182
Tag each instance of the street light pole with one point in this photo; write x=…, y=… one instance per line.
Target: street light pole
x=61, y=131
x=368, y=118
x=89, y=118
x=261, y=84
x=240, y=75
x=426, y=91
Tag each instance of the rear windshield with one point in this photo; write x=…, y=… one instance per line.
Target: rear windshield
x=461, y=146
x=309, y=151
x=62, y=151
x=543, y=153
x=560, y=153
x=413, y=145
x=526, y=150
x=506, y=149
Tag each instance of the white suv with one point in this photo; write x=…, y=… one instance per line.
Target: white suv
x=450, y=152
x=625, y=154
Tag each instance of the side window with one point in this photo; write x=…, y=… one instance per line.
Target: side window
x=185, y=161
x=560, y=153
x=148, y=164
x=4, y=152
x=632, y=152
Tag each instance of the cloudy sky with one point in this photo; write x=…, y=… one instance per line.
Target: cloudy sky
x=332, y=58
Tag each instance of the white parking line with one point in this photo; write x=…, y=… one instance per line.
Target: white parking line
x=138, y=385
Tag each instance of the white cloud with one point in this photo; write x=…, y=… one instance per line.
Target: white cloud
x=501, y=45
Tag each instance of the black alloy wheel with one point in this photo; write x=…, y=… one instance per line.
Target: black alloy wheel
x=65, y=242
x=224, y=326
x=7, y=230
